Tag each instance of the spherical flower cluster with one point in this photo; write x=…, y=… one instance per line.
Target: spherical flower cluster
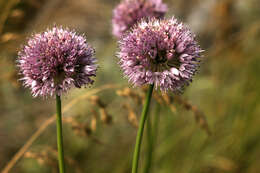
x=56, y=60
x=160, y=52
x=129, y=12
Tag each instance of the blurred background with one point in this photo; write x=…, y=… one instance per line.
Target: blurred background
x=214, y=127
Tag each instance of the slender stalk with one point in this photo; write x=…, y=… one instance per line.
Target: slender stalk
x=150, y=140
x=59, y=135
x=141, y=129
x=152, y=130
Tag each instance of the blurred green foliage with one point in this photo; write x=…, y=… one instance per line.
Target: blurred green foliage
x=227, y=90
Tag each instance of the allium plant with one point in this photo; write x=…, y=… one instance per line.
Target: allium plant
x=56, y=60
x=160, y=52
x=163, y=53
x=129, y=12
x=51, y=63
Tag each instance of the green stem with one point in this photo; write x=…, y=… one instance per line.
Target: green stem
x=152, y=131
x=59, y=135
x=141, y=129
x=149, y=135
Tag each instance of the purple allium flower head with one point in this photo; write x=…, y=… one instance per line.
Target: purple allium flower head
x=129, y=12
x=160, y=52
x=56, y=60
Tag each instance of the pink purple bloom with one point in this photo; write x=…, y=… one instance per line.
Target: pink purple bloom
x=54, y=61
x=129, y=12
x=160, y=52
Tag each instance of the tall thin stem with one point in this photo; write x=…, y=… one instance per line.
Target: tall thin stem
x=152, y=129
x=149, y=151
x=141, y=129
x=59, y=135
